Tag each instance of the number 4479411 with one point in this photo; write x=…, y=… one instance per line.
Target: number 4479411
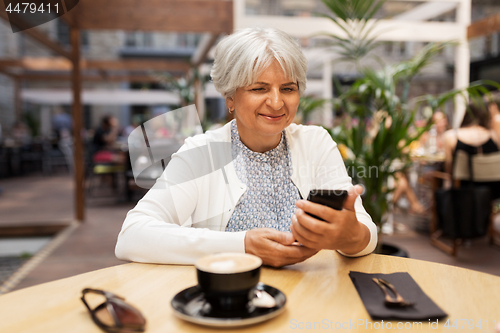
x=470, y=324
x=32, y=8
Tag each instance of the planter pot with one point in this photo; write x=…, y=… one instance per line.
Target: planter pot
x=393, y=250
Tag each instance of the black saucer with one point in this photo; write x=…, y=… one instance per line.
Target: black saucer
x=191, y=306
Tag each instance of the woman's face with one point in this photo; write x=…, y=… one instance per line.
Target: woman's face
x=441, y=122
x=264, y=108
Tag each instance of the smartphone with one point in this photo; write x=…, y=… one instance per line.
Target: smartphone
x=332, y=198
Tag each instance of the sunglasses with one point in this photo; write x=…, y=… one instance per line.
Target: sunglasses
x=113, y=315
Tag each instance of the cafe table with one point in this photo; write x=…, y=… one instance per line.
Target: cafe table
x=319, y=293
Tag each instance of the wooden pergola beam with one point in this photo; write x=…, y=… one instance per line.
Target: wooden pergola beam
x=213, y=16
x=133, y=64
x=38, y=64
x=4, y=71
x=63, y=64
x=484, y=27
x=205, y=44
x=86, y=77
x=38, y=36
x=18, y=109
x=79, y=174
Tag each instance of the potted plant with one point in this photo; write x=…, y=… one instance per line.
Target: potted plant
x=379, y=124
x=379, y=127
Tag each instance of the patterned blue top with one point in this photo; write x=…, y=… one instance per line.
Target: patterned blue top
x=269, y=200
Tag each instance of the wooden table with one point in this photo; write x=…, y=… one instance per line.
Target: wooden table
x=318, y=290
x=429, y=158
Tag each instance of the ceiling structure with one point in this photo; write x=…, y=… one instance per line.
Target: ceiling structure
x=101, y=97
x=426, y=11
x=204, y=16
x=59, y=68
x=484, y=27
x=210, y=17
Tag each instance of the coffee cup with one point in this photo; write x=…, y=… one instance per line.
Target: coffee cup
x=228, y=280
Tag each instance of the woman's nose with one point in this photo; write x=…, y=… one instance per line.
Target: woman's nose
x=274, y=100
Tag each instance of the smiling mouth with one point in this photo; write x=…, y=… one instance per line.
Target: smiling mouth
x=268, y=116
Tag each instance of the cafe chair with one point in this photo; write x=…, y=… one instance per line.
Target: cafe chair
x=4, y=162
x=31, y=157
x=101, y=175
x=485, y=172
x=54, y=158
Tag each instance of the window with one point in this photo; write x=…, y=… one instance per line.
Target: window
x=130, y=39
x=402, y=48
x=139, y=39
x=388, y=48
x=147, y=39
x=63, y=34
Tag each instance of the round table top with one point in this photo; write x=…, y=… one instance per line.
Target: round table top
x=318, y=290
x=429, y=158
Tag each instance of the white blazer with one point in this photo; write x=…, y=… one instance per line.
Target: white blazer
x=185, y=214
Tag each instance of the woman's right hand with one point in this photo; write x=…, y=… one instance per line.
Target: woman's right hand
x=276, y=248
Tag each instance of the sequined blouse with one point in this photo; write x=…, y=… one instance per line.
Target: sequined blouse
x=269, y=201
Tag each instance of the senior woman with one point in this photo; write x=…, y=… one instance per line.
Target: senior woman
x=255, y=203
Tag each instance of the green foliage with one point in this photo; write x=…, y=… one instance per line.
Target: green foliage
x=25, y=255
x=307, y=105
x=183, y=86
x=356, y=19
x=32, y=122
x=380, y=125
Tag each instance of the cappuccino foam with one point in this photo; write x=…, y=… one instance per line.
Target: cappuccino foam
x=226, y=263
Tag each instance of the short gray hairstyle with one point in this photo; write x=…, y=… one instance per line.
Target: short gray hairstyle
x=241, y=57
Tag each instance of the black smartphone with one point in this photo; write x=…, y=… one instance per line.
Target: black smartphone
x=332, y=198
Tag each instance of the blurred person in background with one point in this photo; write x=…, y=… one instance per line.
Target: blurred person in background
x=474, y=136
x=21, y=134
x=433, y=140
x=432, y=143
x=134, y=123
x=402, y=187
x=61, y=123
x=104, y=141
x=494, y=108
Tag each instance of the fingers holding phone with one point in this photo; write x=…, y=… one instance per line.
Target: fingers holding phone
x=330, y=198
x=335, y=199
x=342, y=231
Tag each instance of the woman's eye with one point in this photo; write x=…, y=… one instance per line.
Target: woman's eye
x=257, y=89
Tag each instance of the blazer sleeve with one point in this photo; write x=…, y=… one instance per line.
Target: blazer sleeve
x=159, y=229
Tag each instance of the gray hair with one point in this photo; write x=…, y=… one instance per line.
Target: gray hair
x=241, y=57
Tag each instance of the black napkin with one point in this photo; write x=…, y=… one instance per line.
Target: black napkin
x=373, y=297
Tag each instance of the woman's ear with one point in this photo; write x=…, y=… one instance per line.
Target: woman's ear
x=230, y=103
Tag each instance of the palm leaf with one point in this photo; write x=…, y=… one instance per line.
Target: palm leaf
x=352, y=17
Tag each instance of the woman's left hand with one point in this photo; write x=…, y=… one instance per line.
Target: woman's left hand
x=341, y=230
